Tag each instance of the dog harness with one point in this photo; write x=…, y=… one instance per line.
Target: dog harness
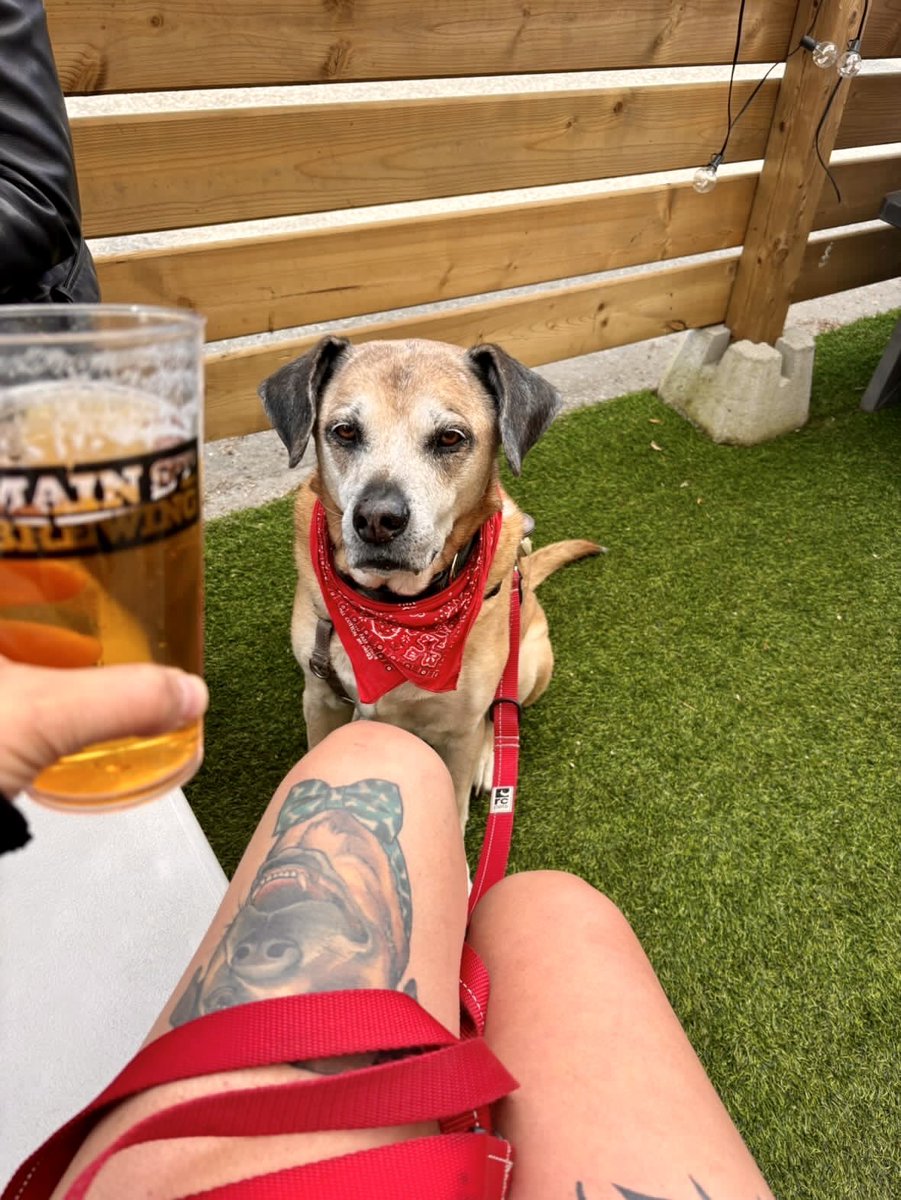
x=430, y=1074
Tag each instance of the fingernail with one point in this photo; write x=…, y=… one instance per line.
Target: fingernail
x=194, y=696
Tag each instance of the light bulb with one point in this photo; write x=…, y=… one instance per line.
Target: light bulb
x=825, y=54
x=850, y=62
x=704, y=179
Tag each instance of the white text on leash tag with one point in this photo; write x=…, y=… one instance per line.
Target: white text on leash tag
x=502, y=799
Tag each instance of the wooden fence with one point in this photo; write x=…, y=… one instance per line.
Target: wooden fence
x=173, y=167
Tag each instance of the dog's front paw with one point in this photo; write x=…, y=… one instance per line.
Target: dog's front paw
x=484, y=772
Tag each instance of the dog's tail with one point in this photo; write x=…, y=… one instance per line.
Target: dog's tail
x=548, y=559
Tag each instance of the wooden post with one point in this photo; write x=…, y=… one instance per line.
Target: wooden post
x=791, y=179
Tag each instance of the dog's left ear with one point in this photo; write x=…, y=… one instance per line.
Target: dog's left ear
x=291, y=396
x=526, y=403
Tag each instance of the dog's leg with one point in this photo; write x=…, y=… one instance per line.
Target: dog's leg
x=536, y=655
x=484, y=775
x=323, y=712
x=461, y=757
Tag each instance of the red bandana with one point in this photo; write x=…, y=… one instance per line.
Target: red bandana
x=420, y=641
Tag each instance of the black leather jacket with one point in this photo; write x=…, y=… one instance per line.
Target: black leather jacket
x=43, y=256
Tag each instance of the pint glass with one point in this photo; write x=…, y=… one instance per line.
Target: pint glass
x=100, y=531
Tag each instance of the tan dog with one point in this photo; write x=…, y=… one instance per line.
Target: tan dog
x=407, y=436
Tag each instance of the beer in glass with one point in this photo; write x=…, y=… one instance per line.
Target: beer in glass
x=100, y=529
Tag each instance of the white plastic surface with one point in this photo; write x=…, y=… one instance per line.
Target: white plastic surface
x=99, y=915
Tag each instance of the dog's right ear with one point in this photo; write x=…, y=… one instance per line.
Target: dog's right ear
x=291, y=396
x=526, y=403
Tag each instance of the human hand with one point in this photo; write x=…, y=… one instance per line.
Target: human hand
x=46, y=712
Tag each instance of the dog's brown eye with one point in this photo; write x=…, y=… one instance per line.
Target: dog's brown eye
x=449, y=438
x=345, y=432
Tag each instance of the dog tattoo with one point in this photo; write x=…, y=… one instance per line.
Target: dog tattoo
x=329, y=909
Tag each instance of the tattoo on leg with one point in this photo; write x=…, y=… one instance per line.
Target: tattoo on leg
x=629, y=1194
x=330, y=907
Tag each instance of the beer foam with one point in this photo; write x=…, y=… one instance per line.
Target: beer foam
x=67, y=422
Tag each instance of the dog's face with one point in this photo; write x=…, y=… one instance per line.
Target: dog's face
x=407, y=435
x=322, y=914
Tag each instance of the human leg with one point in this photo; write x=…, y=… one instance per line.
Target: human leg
x=355, y=878
x=613, y=1101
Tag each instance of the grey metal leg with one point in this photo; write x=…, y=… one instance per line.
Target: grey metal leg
x=885, y=386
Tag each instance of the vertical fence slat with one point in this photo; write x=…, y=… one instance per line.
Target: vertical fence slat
x=785, y=202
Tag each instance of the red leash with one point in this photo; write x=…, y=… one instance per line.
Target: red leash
x=505, y=711
x=442, y=1075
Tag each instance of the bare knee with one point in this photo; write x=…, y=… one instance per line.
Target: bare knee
x=381, y=739
x=549, y=906
x=376, y=750
x=373, y=742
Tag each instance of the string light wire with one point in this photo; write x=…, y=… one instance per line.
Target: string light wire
x=863, y=19
x=816, y=141
x=854, y=45
x=735, y=53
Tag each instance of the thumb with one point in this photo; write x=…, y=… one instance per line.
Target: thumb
x=46, y=712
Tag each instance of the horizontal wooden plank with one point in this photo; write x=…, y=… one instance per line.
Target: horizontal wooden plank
x=168, y=170
x=862, y=186
x=148, y=45
x=849, y=260
x=882, y=37
x=147, y=172
x=253, y=285
x=872, y=115
x=324, y=275
x=541, y=328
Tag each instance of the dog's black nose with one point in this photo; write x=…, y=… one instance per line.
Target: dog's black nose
x=380, y=514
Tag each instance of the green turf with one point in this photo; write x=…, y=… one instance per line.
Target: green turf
x=718, y=750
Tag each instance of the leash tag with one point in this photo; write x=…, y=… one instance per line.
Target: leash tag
x=502, y=799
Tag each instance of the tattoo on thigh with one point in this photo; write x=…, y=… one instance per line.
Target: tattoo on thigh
x=329, y=909
x=630, y=1194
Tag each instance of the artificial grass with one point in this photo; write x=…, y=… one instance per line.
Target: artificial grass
x=718, y=750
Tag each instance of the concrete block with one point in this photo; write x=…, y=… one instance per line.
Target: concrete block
x=741, y=392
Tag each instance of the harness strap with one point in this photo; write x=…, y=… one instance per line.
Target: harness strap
x=443, y=1075
x=321, y=659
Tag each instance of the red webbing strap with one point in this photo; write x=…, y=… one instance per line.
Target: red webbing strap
x=448, y=1167
x=448, y=1077
x=475, y=986
x=505, y=711
x=467, y=1166
x=464, y=1075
